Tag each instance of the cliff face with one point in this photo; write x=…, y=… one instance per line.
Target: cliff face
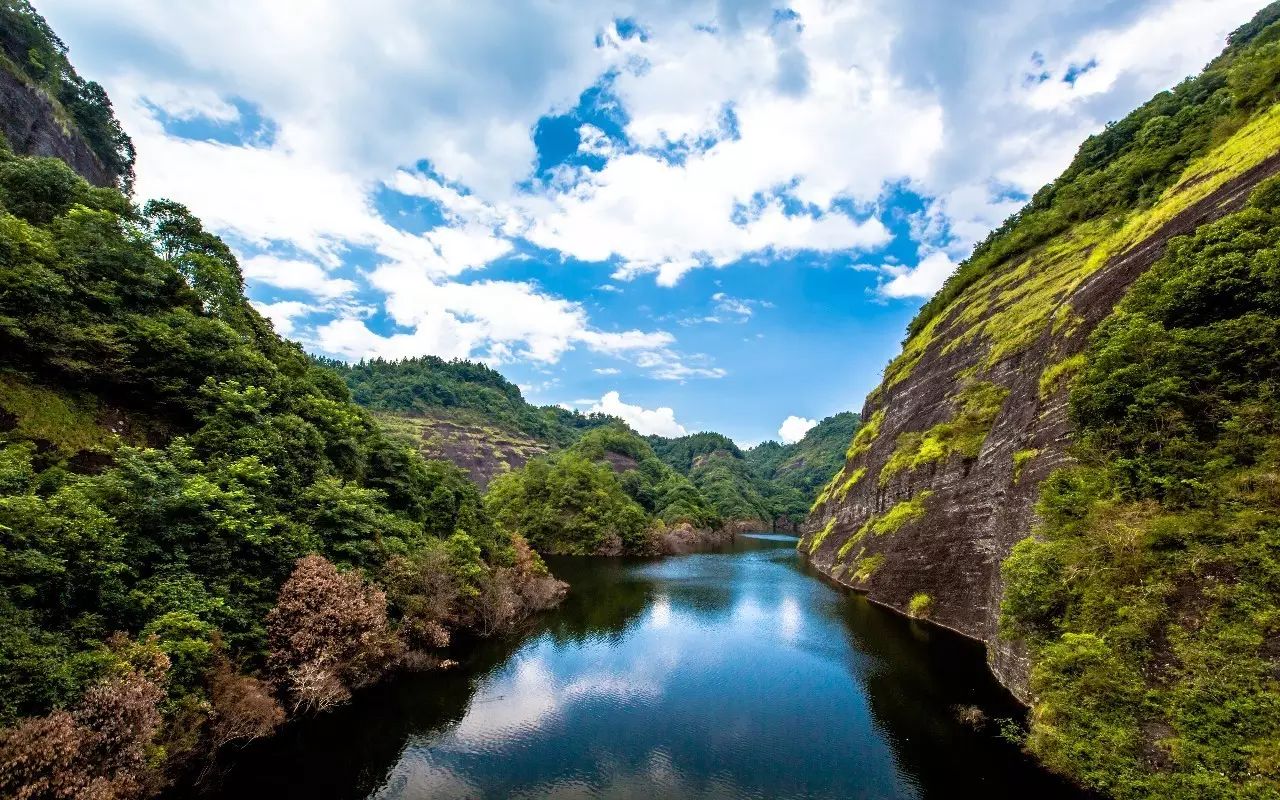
x=484, y=451
x=31, y=125
x=942, y=480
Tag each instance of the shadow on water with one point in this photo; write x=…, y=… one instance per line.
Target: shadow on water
x=730, y=674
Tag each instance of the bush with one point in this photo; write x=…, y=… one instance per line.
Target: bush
x=569, y=505
x=328, y=634
x=243, y=707
x=100, y=749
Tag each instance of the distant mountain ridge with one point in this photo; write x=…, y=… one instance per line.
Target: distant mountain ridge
x=468, y=413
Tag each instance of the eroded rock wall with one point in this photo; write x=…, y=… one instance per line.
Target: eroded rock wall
x=30, y=123
x=935, y=530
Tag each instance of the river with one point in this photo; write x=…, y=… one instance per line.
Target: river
x=735, y=674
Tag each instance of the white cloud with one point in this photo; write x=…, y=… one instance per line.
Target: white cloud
x=607, y=371
x=655, y=422
x=743, y=308
x=498, y=320
x=921, y=280
x=283, y=313
x=668, y=365
x=293, y=274
x=794, y=428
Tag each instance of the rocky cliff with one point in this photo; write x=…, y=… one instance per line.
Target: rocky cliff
x=483, y=449
x=33, y=126
x=47, y=109
x=942, y=480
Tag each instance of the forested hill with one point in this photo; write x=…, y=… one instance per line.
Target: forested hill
x=198, y=528
x=1076, y=455
x=461, y=389
x=809, y=463
x=771, y=481
x=468, y=413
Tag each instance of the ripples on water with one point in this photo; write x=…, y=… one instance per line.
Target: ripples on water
x=734, y=675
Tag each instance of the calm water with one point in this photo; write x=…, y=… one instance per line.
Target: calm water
x=734, y=674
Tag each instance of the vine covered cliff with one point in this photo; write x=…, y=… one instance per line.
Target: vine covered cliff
x=1074, y=458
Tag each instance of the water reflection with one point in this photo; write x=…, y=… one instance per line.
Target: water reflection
x=716, y=675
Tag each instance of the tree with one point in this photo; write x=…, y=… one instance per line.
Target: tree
x=328, y=634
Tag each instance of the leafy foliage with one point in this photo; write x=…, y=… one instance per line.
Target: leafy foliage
x=572, y=505
x=167, y=462
x=605, y=494
x=1150, y=599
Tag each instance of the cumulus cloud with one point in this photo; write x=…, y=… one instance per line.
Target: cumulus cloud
x=495, y=320
x=794, y=428
x=648, y=422
x=283, y=313
x=304, y=276
x=745, y=132
x=921, y=280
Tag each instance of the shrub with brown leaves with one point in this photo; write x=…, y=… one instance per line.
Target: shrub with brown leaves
x=328, y=634
x=244, y=707
x=97, y=751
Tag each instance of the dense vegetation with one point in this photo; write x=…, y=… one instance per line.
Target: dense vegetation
x=771, y=482
x=715, y=464
x=1151, y=599
x=422, y=385
x=809, y=463
x=34, y=53
x=167, y=463
x=1133, y=161
x=607, y=494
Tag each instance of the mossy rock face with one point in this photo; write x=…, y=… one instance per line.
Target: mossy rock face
x=993, y=394
x=483, y=450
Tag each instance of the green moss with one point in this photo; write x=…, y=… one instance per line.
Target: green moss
x=846, y=549
x=1020, y=460
x=864, y=567
x=919, y=605
x=70, y=425
x=900, y=514
x=1056, y=373
x=821, y=536
x=977, y=406
x=850, y=482
x=865, y=436
x=825, y=494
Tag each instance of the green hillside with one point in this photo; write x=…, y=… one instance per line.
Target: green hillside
x=166, y=463
x=809, y=463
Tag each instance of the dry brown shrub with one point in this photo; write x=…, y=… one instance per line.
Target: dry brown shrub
x=96, y=751
x=328, y=634
x=537, y=588
x=244, y=707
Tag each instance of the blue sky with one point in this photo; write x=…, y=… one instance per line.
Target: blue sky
x=699, y=215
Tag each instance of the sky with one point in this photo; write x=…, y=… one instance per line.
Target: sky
x=711, y=215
